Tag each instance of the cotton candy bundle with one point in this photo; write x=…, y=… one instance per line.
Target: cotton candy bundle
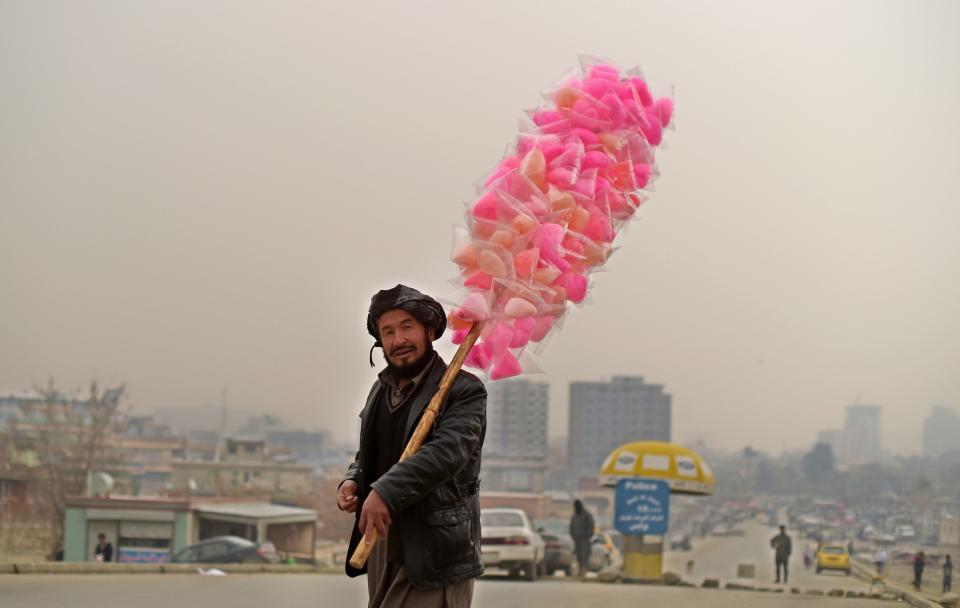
x=548, y=213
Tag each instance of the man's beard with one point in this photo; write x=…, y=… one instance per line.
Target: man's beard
x=413, y=369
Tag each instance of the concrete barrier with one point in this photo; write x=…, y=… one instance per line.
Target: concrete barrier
x=8, y=568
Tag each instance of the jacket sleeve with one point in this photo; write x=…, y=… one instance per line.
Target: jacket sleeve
x=455, y=437
x=351, y=474
x=353, y=468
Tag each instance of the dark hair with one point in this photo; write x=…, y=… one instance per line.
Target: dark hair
x=101, y=535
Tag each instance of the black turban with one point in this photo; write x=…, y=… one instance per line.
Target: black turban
x=423, y=308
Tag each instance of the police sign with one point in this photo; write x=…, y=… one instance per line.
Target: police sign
x=642, y=507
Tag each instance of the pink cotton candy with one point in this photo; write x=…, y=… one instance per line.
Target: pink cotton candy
x=605, y=72
x=518, y=307
x=598, y=228
x=492, y=264
x=576, y=286
x=486, y=206
x=642, y=91
x=522, y=328
x=641, y=174
x=541, y=327
x=474, y=308
x=479, y=279
x=653, y=131
x=479, y=357
x=560, y=177
x=586, y=136
x=664, y=107
x=506, y=367
x=550, y=210
x=594, y=160
x=499, y=339
x=525, y=261
x=546, y=275
x=545, y=118
x=596, y=87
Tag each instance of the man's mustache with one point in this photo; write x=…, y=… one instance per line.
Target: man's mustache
x=401, y=349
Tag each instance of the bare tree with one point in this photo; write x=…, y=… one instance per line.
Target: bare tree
x=69, y=440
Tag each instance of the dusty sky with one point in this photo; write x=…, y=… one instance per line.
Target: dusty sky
x=204, y=194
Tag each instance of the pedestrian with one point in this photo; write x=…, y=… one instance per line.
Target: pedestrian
x=850, y=547
x=104, y=550
x=947, y=574
x=809, y=554
x=880, y=560
x=919, y=561
x=426, y=509
x=581, y=531
x=782, y=546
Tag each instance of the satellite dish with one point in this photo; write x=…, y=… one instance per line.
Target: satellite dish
x=102, y=484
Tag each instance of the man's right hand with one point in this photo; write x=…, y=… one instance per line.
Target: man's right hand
x=347, y=496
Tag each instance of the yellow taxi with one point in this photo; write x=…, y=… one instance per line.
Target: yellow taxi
x=833, y=556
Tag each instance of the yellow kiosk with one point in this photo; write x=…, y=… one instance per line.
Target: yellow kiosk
x=653, y=470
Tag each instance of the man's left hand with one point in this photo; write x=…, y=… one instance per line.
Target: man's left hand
x=375, y=515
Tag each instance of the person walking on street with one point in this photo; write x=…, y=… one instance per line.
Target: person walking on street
x=947, y=574
x=919, y=561
x=880, y=560
x=809, y=554
x=426, y=509
x=104, y=550
x=581, y=531
x=782, y=546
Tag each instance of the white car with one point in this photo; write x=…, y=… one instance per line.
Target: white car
x=509, y=541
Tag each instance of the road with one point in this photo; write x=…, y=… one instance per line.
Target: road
x=713, y=558
x=319, y=590
x=717, y=557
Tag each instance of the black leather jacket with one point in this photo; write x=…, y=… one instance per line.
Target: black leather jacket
x=432, y=496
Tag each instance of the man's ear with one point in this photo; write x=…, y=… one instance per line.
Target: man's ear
x=430, y=333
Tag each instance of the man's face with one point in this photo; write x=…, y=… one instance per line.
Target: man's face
x=404, y=338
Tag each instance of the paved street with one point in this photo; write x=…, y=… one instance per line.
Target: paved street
x=307, y=590
x=714, y=557
x=717, y=557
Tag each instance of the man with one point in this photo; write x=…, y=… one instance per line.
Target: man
x=782, y=546
x=947, y=574
x=104, y=550
x=919, y=561
x=581, y=531
x=880, y=560
x=425, y=510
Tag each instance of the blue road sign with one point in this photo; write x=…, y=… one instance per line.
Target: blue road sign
x=642, y=507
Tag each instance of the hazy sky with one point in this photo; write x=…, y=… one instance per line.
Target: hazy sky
x=204, y=194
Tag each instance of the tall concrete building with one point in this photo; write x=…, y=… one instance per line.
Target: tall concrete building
x=861, y=435
x=941, y=432
x=515, y=449
x=604, y=415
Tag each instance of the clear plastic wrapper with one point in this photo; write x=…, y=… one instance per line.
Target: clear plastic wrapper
x=548, y=214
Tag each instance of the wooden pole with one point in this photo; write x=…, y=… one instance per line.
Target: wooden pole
x=363, y=550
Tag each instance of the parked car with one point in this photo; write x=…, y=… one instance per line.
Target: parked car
x=680, y=542
x=509, y=541
x=605, y=551
x=227, y=550
x=559, y=546
x=833, y=556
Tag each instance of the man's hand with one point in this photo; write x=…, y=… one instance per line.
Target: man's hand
x=347, y=496
x=375, y=515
